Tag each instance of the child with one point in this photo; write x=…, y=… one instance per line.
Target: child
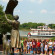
x=46, y=48
x=31, y=52
x=50, y=52
x=54, y=49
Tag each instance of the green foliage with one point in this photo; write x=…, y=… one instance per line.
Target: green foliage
x=53, y=38
x=41, y=24
x=35, y=25
x=52, y=26
x=31, y=25
x=1, y=10
x=4, y=25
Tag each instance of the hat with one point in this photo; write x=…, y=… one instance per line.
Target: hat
x=16, y=17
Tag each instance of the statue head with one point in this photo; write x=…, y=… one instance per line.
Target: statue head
x=16, y=17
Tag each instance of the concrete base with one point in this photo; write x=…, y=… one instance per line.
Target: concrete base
x=1, y=47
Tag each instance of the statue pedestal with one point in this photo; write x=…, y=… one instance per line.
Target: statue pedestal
x=1, y=48
x=19, y=52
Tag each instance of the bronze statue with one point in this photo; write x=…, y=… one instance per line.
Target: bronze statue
x=15, y=37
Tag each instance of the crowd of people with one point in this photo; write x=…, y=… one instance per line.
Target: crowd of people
x=35, y=46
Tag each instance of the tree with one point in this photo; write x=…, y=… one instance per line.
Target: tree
x=52, y=26
x=41, y=24
x=53, y=38
x=4, y=25
x=31, y=25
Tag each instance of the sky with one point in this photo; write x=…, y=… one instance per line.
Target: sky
x=36, y=11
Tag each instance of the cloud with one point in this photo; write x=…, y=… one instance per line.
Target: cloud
x=17, y=11
x=31, y=12
x=40, y=1
x=43, y=11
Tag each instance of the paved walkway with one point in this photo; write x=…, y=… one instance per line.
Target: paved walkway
x=1, y=53
x=21, y=54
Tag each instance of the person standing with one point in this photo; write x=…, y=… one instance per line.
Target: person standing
x=31, y=43
x=22, y=45
x=38, y=47
x=42, y=47
x=54, y=47
x=28, y=46
x=25, y=47
x=15, y=37
x=46, y=48
x=34, y=46
x=50, y=45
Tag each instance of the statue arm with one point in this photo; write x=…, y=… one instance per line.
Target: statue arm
x=10, y=21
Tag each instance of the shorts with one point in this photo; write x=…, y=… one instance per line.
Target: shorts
x=34, y=49
x=53, y=48
x=38, y=49
x=42, y=49
x=46, y=49
x=24, y=48
x=28, y=47
x=50, y=47
x=53, y=51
